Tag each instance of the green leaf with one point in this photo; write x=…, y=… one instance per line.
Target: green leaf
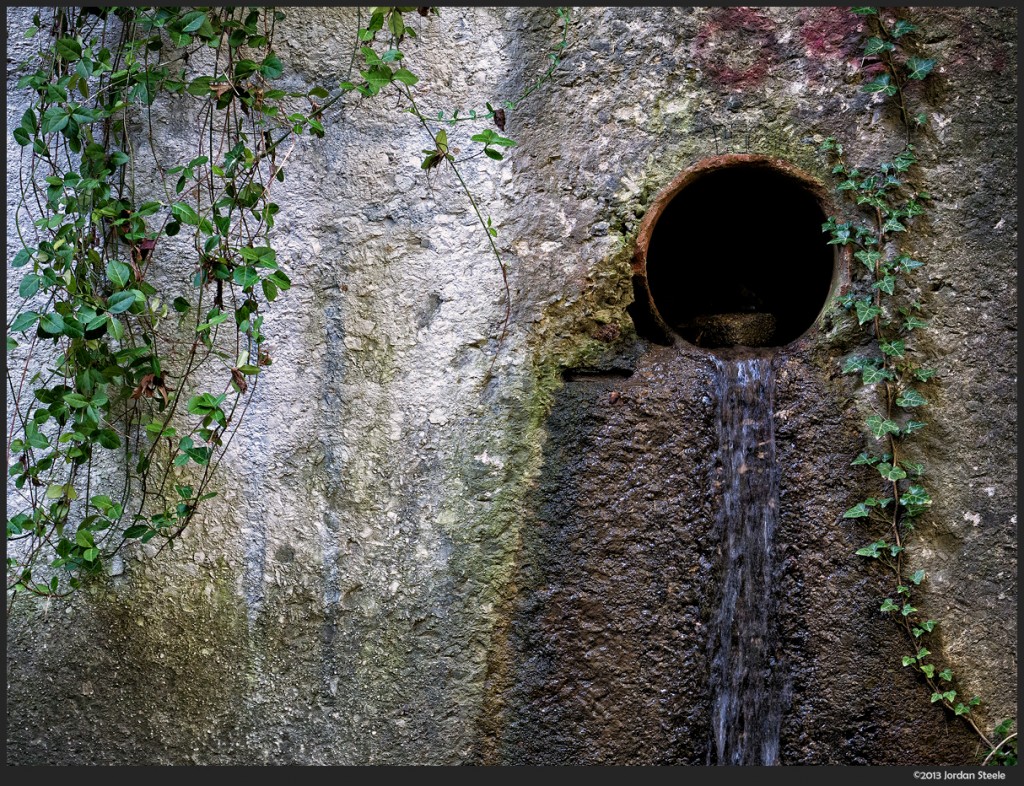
x=946, y=675
x=68, y=49
x=192, y=21
x=860, y=510
x=868, y=258
x=246, y=277
x=866, y=311
x=886, y=285
x=29, y=285
x=880, y=84
x=185, y=214
x=935, y=696
x=872, y=375
x=913, y=425
x=881, y=426
x=109, y=439
x=924, y=652
x=76, y=400
x=917, y=578
x=52, y=323
x=406, y=77
x=910, y=398
x=901, y=28
x=893, y=225
x=907, y=610
x=119, y=273
x=894, y=348
x=121, y=301
x=864, y=458
x=916, y=496
x=890, y=472
x=272, y=67
x=181, y=305
x=874, y=45
x=871, y=550
x=54, y=119
x=888, y=605
x=864, y=11
x=924, y=374
x=913, y=322
x=908, y=660
x=24, y=321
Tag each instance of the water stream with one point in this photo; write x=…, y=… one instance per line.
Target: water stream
x=747, y=680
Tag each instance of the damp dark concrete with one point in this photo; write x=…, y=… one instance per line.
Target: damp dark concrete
x=607, y=658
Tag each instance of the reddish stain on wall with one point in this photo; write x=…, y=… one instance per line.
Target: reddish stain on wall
x=830, y=33
x=737, y=46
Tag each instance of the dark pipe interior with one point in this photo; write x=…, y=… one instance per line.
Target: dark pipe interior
x=741, y=239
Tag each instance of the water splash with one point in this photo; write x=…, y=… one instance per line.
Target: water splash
x=746, y=677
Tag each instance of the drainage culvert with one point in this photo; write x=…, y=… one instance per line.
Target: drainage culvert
x=732, y=253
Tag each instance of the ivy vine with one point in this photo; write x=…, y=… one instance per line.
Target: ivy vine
x=127, y=377
x=884, y=299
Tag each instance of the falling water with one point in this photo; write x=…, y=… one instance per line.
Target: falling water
x=746, y=679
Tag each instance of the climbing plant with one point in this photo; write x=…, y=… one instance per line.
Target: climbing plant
x=384, y=68
x=126, y=380
x=884, y=297
x=137, y=341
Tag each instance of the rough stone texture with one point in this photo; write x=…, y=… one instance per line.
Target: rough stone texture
x=410, y=564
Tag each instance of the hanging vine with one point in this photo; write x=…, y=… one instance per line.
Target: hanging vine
x=138, y=341
x=884, y=299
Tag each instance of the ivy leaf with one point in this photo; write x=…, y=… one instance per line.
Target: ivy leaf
x=869, y=258
x=893, y=225
x=912, y=323
x=916, y=497
x=935, y=696
x=894, y=348
x=917, y=578
x=886, y=285
x=866, y=311
x=864, y=458
x=880, y=84
x=874, y=45
x=872, y=375
x=864, y=11
x=881, y=426
x=924, y=374
x=860, y=510
x=890, y=472
x=901, y=28
x=928, y=669
x=906, y=611
x=888, y=605
x=913, y=425
x=871, y=550
x=910, y=398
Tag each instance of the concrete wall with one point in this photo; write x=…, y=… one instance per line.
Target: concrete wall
x=373, y=581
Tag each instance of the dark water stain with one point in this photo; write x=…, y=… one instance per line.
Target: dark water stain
x=649, y=625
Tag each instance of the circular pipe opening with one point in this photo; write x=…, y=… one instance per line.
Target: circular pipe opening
x=732, y=254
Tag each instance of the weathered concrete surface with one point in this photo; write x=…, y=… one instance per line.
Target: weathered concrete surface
x=410, y=565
